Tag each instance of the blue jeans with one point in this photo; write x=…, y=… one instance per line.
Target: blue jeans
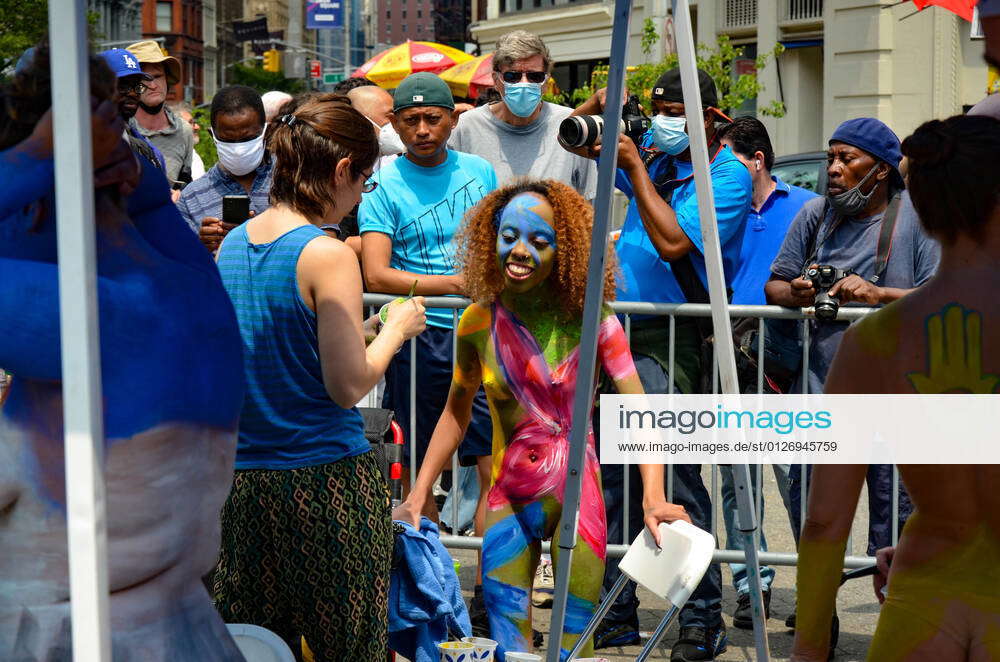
x=879, y=480
x=465, y=488
x=734, y=540
x=704, y=607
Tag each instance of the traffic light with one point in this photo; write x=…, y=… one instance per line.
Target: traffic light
x=272, y=60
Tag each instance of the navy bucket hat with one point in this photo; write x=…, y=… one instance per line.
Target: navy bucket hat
x=877, y=139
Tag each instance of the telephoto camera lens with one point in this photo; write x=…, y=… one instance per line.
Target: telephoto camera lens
x=581, y=130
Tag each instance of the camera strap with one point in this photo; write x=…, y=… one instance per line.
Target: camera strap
x=885, y=238
x=883, y=248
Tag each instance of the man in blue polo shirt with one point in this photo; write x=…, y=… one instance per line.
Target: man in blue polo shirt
x=775, y=204
x=661, y=253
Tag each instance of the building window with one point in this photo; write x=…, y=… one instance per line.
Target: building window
x=388, y=14
x=164, y=16
x=420, y=13
x=404, y=13
x=404, y=28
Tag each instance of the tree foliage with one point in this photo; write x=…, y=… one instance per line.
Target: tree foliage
x=263, y=81
x=22, y=25
x=718, y=63
x=206, y=145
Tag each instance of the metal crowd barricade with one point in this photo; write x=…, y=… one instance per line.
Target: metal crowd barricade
x=671, y=312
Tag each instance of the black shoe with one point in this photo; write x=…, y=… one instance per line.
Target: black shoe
x=610, y=634
x=743, y=616
x=536, y=638
x=697, y=643
x=477, y=615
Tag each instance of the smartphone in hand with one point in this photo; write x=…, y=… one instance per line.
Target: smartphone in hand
x=235, y=209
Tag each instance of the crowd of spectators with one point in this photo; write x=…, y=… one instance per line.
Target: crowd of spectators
x=365, y=190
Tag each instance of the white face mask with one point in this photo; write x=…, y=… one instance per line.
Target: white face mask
x=388, y=140
x=240, y=158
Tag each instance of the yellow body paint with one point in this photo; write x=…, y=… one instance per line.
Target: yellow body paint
x=820, y=565
x=879, y=334
x=940, y=604
x=954, y=354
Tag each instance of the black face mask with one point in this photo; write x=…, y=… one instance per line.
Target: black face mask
x=152, y=110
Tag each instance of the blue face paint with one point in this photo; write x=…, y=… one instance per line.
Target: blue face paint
x=526, y=240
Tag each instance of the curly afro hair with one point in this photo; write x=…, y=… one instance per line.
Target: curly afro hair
x=574, y=220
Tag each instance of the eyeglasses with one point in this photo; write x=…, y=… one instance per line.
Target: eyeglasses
x=517, y=76
x=133, y=88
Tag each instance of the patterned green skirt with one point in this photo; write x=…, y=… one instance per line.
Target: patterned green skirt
x=307, y=552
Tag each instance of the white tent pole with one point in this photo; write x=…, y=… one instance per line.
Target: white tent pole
x=81, y=371
x=719, y=299
x=583, y=398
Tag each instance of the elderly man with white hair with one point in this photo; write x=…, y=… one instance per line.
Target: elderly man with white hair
x=517, y=134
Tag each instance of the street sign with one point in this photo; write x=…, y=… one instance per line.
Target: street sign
x=322, y=15
x=330, y=78
x=315, y=69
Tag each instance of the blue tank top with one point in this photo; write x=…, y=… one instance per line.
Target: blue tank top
x=288, y=419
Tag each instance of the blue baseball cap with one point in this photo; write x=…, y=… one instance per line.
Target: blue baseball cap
x=123, y=63
x=874, y=137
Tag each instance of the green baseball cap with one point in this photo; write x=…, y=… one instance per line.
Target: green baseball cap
x=422, y=89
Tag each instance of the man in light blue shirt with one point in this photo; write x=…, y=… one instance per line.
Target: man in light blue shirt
x=407, y=225
x=774, y=205
x=661, y=254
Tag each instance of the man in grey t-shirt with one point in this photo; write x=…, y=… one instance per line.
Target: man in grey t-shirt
x=160, y=125
x=517, y=134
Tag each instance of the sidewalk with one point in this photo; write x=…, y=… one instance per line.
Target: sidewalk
x=856, y=604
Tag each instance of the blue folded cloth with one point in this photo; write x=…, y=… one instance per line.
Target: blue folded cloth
x=425, y=599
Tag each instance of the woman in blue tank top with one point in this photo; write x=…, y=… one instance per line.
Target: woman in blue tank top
x=307, y=537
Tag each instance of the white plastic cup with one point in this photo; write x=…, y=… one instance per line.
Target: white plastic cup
x=455, y=651
x=522, y=657
x=484, y=650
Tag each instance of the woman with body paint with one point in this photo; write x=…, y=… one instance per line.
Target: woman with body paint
x=524, y=252
x=943, y=601
x=172, y=385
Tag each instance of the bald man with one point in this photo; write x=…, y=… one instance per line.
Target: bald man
x=273, y=101
x=376, y=104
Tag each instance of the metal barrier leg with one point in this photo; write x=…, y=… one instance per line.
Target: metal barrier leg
x=602, y=609
x=661, y=629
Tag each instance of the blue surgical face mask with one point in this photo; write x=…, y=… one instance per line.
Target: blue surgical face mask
x=522, y=98
x=669, y=135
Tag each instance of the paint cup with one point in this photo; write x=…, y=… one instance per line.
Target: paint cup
x=522, y=657
x=484, y=648
x=456, y=651
x=383, y=312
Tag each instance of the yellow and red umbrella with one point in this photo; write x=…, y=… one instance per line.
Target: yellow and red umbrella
x=469, y=78
x=391, y=66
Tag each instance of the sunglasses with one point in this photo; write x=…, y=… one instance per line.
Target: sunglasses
x=517, y=76
x=134, y=88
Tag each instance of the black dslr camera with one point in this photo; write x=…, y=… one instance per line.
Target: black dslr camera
x=585, y=130
x=823, y=278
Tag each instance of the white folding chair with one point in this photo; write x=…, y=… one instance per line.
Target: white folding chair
x=260, y=644
x=671, y=571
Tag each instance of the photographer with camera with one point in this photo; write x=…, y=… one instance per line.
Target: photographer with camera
x=660, y=254
x=861, y=244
